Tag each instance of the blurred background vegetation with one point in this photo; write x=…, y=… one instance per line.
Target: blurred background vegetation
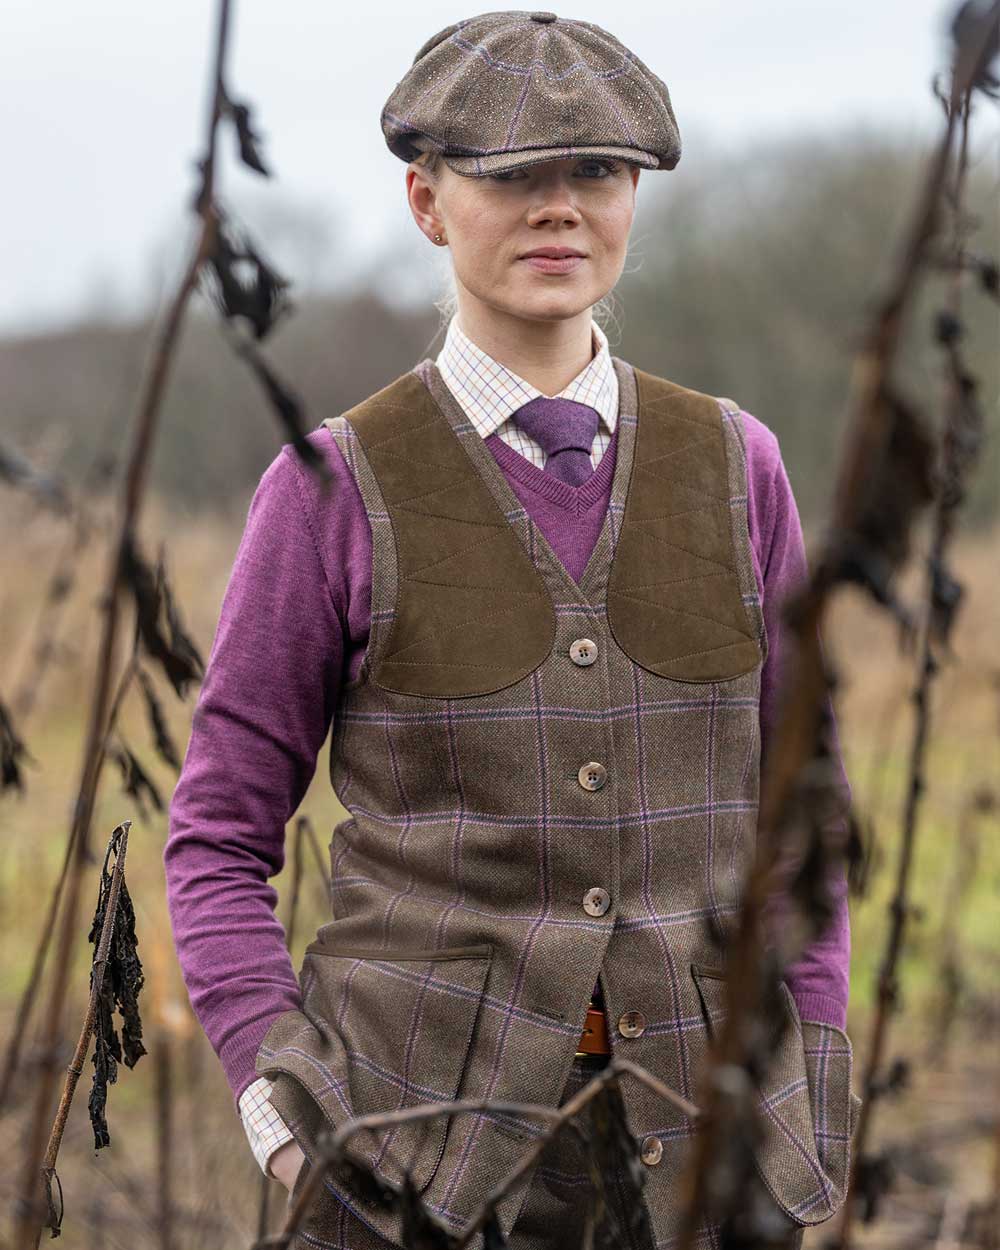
x=750, y=277
x=747, y=277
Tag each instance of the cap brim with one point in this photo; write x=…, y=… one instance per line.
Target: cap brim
x=500, y=162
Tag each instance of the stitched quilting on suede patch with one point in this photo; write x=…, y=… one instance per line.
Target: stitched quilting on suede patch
x=675, y=602
x=473, y=615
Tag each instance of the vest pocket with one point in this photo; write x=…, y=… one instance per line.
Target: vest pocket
x=379, y=1031
x=808, y=1110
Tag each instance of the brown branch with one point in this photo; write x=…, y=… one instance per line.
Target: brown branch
x=872, y=414
x=331, y=1147
x=899, y=908
x=83, y=1041
x=12, y=1053
x=30, y=1212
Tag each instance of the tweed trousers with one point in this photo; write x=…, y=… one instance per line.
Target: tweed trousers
x=548, y=782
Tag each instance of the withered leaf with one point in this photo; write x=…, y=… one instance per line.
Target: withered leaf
x=493, y=1238
x=174, y=650
x=241, y=283
x=616, y=1154
x=136, y=781
x=19, y=471
x=119, y=988
x=286, y=406
x=161, y=733
x=899, y=484
x=12, y=752
x=421, y=1229
x=248, y=138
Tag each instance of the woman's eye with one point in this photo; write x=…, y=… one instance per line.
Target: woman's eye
x=602, y=168
x=609, y=167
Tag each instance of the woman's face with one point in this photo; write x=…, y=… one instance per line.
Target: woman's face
x=490, y=222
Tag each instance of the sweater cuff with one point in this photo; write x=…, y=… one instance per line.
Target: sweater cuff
x=823, y=1008
x=238, y=1056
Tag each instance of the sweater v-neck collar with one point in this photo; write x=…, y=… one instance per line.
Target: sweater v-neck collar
x=574, y=499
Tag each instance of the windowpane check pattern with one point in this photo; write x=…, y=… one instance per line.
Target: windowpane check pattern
x=489, y=393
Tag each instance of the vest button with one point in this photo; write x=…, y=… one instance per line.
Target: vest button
x=652, y=1150
x=632, y=1024
x=592, y=775
x=596, y=901
x=583, y=652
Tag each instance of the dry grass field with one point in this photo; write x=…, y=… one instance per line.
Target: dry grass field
x=111, y=1196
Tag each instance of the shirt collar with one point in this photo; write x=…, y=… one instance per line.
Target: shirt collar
x=489, y=392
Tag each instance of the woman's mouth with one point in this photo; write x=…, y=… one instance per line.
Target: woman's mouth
x=554, y=264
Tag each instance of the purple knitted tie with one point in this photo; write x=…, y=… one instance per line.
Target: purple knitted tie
x=565, y=431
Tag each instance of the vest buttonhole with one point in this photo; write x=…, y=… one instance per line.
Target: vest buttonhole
x=552, y=1015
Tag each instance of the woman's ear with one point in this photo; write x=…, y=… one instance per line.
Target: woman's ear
x=421, y=194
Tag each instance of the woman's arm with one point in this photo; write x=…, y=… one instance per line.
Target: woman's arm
x=263, y=712
x=819, y=977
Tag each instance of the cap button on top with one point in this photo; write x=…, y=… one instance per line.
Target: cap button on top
x=542, y=17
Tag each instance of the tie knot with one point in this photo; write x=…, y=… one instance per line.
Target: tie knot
x=558, y=424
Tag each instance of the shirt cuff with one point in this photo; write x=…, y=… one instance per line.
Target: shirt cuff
x=822, y=1008
x=265, y=1129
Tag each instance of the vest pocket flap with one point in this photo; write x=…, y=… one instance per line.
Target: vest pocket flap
x=381, y=1031
x=807, y=1113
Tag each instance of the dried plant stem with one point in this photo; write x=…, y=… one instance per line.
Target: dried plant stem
x=30, y=1212
x=869, y=427
x=164, y=1142
x=12, y=1054
x=331, y=1148
x=97, y=979
x=57, y=596
x=963, y=874
x=899, y=907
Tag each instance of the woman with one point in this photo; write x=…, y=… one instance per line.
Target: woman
x=540, y=609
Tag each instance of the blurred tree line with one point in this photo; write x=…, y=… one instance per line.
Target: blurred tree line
x=748, y=275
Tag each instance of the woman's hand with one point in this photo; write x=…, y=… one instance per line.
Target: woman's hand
x=286, y=1163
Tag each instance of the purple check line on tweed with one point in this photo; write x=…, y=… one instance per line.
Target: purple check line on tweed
x=565, y=431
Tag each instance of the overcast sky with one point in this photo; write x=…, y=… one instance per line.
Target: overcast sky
x=103, y=106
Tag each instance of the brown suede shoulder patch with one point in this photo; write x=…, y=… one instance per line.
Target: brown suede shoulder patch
x=674, y=597
x=473, y=614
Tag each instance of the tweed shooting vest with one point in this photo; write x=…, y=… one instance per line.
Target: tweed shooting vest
x=546, y=782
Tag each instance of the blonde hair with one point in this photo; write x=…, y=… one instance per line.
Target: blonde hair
x=429, y=160
x=604, y=311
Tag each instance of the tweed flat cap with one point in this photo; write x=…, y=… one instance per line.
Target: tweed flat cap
x=508, y=89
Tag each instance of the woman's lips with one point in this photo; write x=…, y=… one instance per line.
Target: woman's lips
x=551, y=264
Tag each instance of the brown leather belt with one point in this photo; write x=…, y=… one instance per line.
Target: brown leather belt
x=594, y=1038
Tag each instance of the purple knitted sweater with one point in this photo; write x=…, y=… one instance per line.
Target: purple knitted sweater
x=294, y=624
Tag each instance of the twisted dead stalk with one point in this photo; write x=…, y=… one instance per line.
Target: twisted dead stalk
x=83, y=1041
x=30, y=1211
x=331, y=1147
x=958, y=447
x=876, y=416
